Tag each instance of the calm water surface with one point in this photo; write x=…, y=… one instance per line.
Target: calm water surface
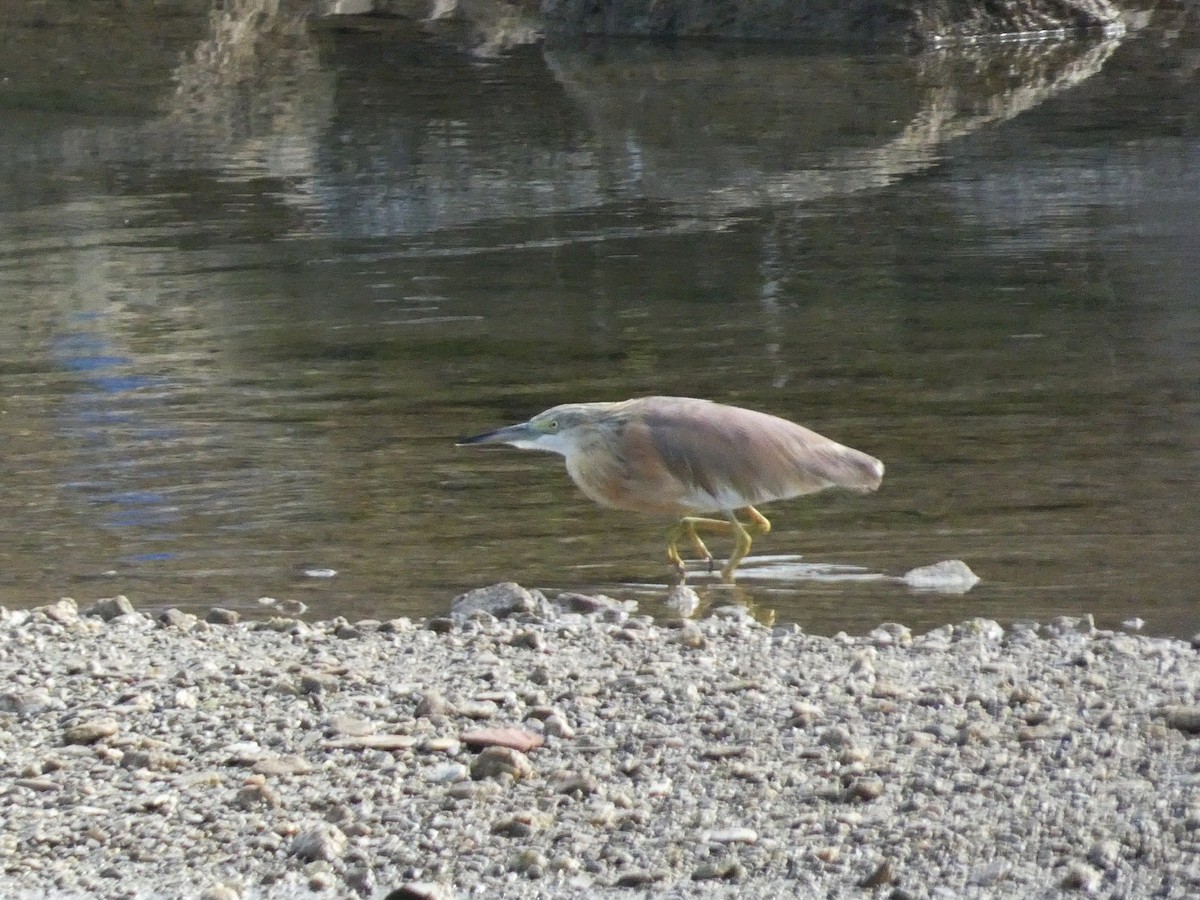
x=247, y=303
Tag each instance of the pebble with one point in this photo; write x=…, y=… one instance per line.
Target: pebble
x=493, y=762
x=516, y=738
x=696, y=758
x=110, y=608
x=219, y=616
x=372, y=742
x=733, y=836
x=323, y=841
x=90, y=732
x=282, y=765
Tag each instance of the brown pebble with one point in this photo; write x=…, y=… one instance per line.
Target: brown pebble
x=516, y=738
x=884, y=874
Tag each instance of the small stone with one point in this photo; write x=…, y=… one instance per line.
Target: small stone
x=152, y=760
x=836, y=737
x=40, y=785
x=64, y=612
x=493, y=762
x=421, y=890
x=386, y=742
x=1105, y=854
x=521, y=824
x=579, y=784
x=282, y=625
x=256, y=794
x=361, y=880
x=440, y=625
x=282, y=765
x=733, y=836
x=90, y=732
x=682, y=599
x=722, y=751
x=528, y=862
x=1081, y=877
x=1183, y=718
x=884, y=874
x=640, y=877
x=351, y=726
x=344, y=631
x=500, y=600
x=110, y=608
x=891, y=634
x=533, y=640
x=865, y=789
x=729, y=869
x=220, y=892
x=804, y=714
x=321, y=881
x=431, y=703
x=692, y=637
x=950, y=576
x=557, y=726
x=447, y=773
x=516, y=738
x=26, y=702
x=990, y=874
x=318, y=683
x=478, y=709
x=174, y=618
x=597, y=605
x=323, y=841
x=448, y=745
x=219, y=616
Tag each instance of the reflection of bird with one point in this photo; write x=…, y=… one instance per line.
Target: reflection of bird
x=685, y=457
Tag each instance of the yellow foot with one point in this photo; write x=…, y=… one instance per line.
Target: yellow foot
x=744, y=536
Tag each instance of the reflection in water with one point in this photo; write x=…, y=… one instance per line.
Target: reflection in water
x=240, y=338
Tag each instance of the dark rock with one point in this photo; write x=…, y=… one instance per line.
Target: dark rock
x=219, y=616
x=884, y=874
x=1183, y=718
x=110, y=608
x=874, y=21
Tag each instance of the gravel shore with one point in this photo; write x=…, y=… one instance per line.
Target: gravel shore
x=570, y=748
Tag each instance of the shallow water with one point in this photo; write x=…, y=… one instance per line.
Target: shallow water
x=244, y=318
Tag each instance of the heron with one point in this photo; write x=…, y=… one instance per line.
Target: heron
x=691, y=458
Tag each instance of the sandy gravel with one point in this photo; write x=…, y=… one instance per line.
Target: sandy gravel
x=528, y=748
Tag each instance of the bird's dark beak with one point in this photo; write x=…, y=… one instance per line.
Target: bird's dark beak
x=506, y=435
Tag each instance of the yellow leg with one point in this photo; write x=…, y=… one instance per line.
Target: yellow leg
x=687, y=528
x=744, y=534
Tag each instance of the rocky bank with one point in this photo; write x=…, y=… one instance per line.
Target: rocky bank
x=920, y=22
x=571, y=748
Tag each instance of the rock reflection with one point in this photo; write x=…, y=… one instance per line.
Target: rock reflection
x=716, y=132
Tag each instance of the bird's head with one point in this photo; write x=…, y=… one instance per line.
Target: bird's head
x=557, y=430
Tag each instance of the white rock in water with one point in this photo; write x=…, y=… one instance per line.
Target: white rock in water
x=950, y=576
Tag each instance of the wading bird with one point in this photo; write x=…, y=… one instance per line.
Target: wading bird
x=690, y=458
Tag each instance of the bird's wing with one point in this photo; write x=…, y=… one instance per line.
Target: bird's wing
x=739, y=457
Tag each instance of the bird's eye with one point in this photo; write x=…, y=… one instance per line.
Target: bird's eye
x=552, y=425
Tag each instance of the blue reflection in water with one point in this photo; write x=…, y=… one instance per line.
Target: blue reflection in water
x=107, y=419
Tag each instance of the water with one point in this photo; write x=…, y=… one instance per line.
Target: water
x=248, y=302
